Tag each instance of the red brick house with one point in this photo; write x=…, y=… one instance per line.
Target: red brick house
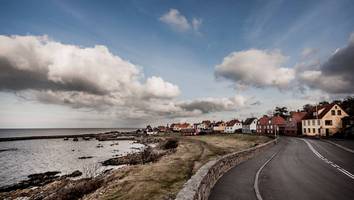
x=293, y=125
x=277, y=125
x=262, y=124
x=271, y=126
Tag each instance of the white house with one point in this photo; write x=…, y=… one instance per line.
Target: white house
x=250, y=125
x=233, y=126
x=324, y=121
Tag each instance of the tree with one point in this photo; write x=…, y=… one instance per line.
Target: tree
x=348, y=105
x=307, y=107
x=323, y=103
x=281, y=111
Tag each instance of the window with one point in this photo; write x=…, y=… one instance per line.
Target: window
x=313, y=122
x=333, y=112
x=304, y=130
x=328, y=122
x=339, y=112
x=318, y=122
x=309, y=130
x=335, y=107
x=313, y=130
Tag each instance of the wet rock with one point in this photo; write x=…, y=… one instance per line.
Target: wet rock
x=39, y=179
x=85, y=157
x=74, y=174
x=9, y=149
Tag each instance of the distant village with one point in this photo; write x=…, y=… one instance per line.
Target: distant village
x=322, y=120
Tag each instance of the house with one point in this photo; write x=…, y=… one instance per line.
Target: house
x=250, y=125
x=177, y=127
x=162, y=129
x=293, y=125
x=276, y=125
x=233, y=126
x=323, y=120
x=204, y=127
x=219, y=127
x=262, y=124
x=151, y=131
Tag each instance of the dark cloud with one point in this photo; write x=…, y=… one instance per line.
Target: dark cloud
x=209, y=105
x=336, y=75
x=203, y=106
x=342, y=64
x=13, y=78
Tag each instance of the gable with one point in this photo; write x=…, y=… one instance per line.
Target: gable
x=335, y=108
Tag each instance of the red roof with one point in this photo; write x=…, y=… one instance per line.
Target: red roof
x=277, y=120
x=298, y=116
x=263, y=120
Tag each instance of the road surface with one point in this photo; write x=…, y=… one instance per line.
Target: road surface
x=300, y=169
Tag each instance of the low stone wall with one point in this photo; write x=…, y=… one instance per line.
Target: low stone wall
x=199, y=186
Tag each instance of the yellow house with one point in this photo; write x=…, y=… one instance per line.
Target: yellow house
x=324, y=121
x=219, y=127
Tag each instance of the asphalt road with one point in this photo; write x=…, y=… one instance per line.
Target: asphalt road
x=300, y=169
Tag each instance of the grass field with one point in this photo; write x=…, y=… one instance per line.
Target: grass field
x=164, y=178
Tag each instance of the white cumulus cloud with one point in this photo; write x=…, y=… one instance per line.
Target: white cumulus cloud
x=258, y=68
x=179, y=22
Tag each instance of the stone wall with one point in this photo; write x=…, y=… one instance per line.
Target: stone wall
x=199, y=186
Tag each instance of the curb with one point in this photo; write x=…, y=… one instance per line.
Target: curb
x=198, y=187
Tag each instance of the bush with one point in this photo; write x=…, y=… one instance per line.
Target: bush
x=170, y=143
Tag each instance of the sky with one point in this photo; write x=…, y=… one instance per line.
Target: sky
x=72, y=64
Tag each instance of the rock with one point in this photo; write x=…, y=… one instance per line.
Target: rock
x=39, y=179
x=74, y=174
x=76, y=139
x=85, y=157
x=9, y=149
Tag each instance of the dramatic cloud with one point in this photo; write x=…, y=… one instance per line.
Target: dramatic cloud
x=334, y=76
x=179, y=22
x=40, y=69
x=208, y=105
x=52, y=72
x=256, y=68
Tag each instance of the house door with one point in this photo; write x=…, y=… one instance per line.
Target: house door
x=327, y=132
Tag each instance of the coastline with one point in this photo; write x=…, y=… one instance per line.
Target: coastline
x=100, y=136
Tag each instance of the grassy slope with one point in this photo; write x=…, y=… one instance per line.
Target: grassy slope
x=163, y=179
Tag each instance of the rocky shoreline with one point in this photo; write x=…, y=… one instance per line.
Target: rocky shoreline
x=51, y=183
x=39, y=179
x=105, y=136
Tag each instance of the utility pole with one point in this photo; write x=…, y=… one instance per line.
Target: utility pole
x=319, y=130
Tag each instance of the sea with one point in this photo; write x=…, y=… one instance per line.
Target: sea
x=21, y=158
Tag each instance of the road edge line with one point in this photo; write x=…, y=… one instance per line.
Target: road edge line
x=340, y=146
x=256, y=180
x=324, y=159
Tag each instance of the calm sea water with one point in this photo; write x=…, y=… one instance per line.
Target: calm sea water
x=4, y=133
x=38, y=156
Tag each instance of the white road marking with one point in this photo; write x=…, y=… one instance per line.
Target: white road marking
x=328, y=161
x=256, y=187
